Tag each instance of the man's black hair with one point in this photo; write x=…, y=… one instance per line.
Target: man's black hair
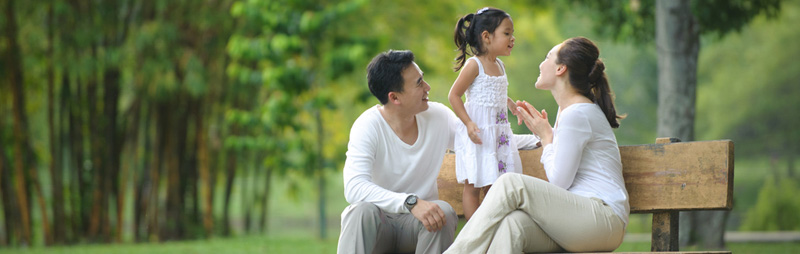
x=385, y=73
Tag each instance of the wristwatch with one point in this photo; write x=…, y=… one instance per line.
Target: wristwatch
x=411, y=201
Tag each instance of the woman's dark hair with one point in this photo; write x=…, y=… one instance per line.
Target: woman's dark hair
x=469, y=36
x=385, y=73
x=587, y=74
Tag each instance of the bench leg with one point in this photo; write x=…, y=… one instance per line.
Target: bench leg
x=665, y=231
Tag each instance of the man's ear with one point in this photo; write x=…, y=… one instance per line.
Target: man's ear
x=393, y=98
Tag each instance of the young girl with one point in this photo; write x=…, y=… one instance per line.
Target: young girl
x=484, y=146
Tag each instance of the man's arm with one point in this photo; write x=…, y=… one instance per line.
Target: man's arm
x=358, y=169
x=527, y=141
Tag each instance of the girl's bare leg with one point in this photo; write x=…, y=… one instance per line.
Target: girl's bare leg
x=470, y=199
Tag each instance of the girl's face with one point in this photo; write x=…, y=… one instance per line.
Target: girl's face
x=502, y=40
x=547, y=70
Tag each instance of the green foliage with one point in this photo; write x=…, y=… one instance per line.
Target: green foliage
x=620, y=20
x=777, y=208
x=746, y=84
x=723, y=16
x=293, y=52
x=635, y=20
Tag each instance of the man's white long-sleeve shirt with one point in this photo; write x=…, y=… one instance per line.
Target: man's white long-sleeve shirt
x=383, y=170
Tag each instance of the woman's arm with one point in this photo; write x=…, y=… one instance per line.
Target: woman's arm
x=562, y=158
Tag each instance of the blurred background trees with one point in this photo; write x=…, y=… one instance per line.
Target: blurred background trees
x=156, y=120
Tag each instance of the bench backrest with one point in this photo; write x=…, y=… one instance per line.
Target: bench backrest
x=658, y=177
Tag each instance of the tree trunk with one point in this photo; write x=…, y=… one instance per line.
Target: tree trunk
x=323, y=223
x=78, y=196
x=48, y=234
x=183, y=212
x=677, y=40
x=142, y=182
x=678, y=44
x=230, y=174
x=11, y=216
x=98, y=167
x=13, y=63
x=205, y=184
x=265, y=202
x=191, y=219
x=64, y=149
x=57, y=186
x=131, y=143
x=113, y=147
x=246, y=188
x=173, y=161
x=153, y=215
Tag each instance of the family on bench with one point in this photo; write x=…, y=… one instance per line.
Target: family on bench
x=396, y=173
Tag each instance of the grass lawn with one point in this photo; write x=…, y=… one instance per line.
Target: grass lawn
x=262, y=244
x=294, y=223
x=245, y=244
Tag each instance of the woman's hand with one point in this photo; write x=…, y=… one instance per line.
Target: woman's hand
x=473, y=130
x=536, y=121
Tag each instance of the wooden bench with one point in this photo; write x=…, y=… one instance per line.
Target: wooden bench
x=662, y=178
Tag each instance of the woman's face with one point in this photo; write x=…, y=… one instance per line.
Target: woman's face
x=547, y=70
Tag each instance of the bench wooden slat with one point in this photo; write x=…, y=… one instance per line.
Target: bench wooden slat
x=679, y=176
x=658, y=177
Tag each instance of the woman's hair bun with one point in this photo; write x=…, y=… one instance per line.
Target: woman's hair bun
x=597, y=71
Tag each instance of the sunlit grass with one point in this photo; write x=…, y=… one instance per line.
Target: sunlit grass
x=277, y=244
x=247, y=244
x=294, y=224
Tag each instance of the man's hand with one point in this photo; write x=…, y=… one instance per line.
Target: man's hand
x=430, y=214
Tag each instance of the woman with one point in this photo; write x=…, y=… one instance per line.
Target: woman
x=584, y=206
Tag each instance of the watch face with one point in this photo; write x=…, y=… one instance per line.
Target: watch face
x=412, y=200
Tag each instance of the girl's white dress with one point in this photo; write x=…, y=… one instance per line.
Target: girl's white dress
x=486, y=105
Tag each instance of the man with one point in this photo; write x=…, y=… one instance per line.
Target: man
x=393, y=159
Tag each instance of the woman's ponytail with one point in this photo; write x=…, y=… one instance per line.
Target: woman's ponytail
x=461, y=38
x=603, y=96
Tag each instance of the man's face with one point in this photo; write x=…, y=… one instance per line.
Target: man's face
x=415, y=90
